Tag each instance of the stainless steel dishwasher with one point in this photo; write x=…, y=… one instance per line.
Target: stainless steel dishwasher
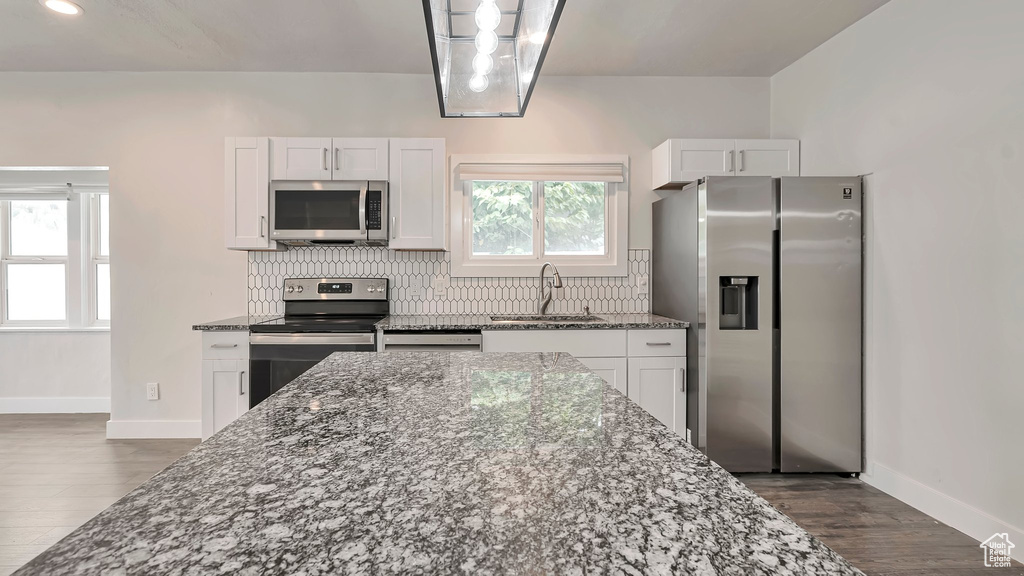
x=431, y=341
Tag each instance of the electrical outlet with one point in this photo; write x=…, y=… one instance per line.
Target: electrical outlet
x=416, y=288
x=153, y=391
x=643, y=285
x=688, y=436
x=440, y=285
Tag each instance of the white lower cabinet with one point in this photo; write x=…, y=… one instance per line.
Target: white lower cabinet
x=658, y=385
x=612, y=370
x=648, y=366
x=225, y=379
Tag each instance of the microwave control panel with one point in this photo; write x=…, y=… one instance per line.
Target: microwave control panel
x=374, y=203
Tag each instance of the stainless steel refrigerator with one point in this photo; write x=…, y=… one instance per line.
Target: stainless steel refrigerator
x=768, y=273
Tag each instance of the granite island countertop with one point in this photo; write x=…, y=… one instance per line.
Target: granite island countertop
x=425, y=322
x=442, y=462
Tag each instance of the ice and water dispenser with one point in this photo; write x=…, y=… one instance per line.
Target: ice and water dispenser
x=737, y=303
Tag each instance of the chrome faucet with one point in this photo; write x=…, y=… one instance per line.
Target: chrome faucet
x=542, y=300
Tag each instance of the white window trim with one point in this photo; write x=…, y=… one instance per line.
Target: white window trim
x=80, y=309
x=614, y=263
x=93, y=261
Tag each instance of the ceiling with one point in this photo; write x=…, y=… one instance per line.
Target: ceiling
x=594, y=37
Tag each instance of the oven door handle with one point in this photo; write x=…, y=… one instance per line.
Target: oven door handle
x=311, y=339
x=362, y=208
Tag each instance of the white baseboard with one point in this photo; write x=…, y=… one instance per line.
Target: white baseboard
x=65, y=405
x=122, y=429
x=975, y=523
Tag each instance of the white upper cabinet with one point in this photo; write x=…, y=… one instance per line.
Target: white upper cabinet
x=678, y=161
x=768, y=158
x=417, y=198
x=300, y=158
x=360, y=159
x=246, y=194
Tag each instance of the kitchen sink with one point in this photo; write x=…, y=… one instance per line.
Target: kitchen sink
x=548, y=319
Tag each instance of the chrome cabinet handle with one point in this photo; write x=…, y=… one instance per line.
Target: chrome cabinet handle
x=682, y=387
x=224, y=346
x=393, y=228
x=742, y=167
x=263, y=222
x=337, y=158
x=241, y=384
x=326, y=152
x=730, y=160
x=659, y=343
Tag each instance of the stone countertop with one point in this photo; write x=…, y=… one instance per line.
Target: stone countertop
x=442, y=462
x=236, y=324
x=426, y=322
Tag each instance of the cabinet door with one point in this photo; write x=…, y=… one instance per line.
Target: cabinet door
x=225, y=393
x=300, y=158
x=768, y=158
x=246, y=194
x=658, y=385
x=416, y=186
x=679, y=161
x=612, y=370
x=360, y=159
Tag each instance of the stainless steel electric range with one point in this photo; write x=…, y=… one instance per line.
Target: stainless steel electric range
x=321, y=316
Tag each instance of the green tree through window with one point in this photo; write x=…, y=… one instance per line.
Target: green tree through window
x=573, y=218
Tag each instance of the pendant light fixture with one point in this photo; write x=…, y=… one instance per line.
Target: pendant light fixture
x=487, y=54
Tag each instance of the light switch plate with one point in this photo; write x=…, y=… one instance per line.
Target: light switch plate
x=643, y=284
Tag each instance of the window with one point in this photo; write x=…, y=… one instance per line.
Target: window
x=511, y=217
x=516, y=218
x=54, y=260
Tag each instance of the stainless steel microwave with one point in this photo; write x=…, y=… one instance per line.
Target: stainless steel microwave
x=311, y=212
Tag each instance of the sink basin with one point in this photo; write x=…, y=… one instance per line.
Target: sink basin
x=547, y=319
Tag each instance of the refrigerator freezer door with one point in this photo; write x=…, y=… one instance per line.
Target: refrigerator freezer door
x=820, y=324
x=739, y=236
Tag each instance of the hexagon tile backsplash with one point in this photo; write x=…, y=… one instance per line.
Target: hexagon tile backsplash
x=440, y=293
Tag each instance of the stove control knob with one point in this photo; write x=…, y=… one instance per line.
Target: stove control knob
x=298, y=288
x=369, y=288
x=290, y=289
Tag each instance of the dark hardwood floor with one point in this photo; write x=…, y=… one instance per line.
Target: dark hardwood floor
x=874, y=531
x=59, y=470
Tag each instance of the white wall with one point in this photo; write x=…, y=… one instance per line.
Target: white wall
x=162, y=137
x=927, y=96
x=54, y=371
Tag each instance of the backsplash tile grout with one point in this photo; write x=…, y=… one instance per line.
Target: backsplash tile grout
x=481, y=295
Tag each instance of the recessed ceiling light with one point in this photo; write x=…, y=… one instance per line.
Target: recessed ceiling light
x=62, y=7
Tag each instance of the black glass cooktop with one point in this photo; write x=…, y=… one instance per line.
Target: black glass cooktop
x=323, y=324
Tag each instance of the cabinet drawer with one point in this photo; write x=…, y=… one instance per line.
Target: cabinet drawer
x=225, y=345
x=657, y=343
x=579, y=343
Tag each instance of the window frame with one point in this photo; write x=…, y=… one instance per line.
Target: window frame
x=80, y=286
x=612, y=263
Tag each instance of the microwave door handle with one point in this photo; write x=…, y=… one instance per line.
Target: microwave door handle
x=362, y=209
